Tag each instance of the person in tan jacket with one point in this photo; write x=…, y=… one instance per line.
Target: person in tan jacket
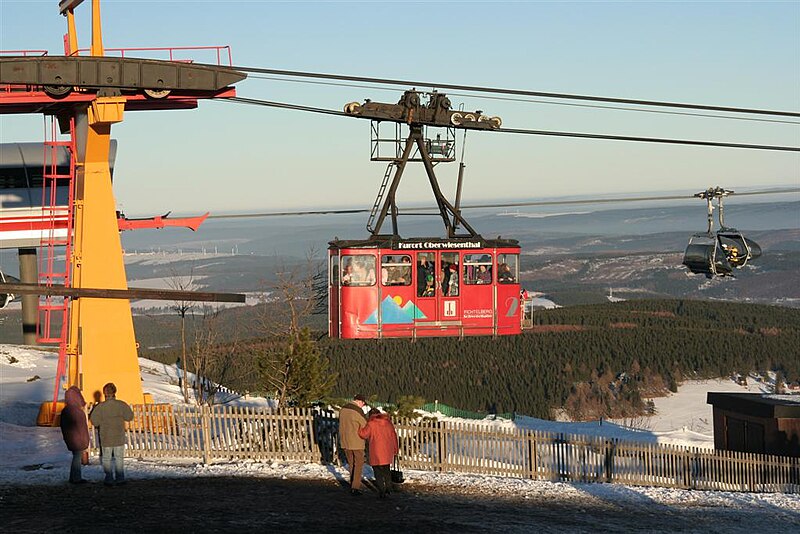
x=351, y=419
x=109, y=417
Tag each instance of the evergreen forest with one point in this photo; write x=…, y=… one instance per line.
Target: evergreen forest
x=602, y=360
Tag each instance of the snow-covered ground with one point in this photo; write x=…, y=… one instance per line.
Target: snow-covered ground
x=37, y=455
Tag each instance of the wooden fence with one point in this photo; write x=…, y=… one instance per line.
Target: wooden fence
x=225, y=432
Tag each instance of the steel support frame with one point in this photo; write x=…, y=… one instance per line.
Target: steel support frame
x=446, y=209
x=397, y=144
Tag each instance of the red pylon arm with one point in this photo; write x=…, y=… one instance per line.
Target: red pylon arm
x=160, y=221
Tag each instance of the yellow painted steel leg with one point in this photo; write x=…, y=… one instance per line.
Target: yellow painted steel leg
x=102, y=345
x=97, y=30
x=72, y=34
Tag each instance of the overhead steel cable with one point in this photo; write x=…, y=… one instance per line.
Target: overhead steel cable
x=434, y=210
x=284, y=105
x=536, y=101
x=296, y=107
x=648, y=139
x=287, y=213
x=519, y=92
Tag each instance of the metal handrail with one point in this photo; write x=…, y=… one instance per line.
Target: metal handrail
x=221, y=52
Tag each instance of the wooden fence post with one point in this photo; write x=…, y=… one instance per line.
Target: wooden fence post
x=532, y=460
x=608, y=464
x=205, y=428
x=441, y=433
x=687, y=482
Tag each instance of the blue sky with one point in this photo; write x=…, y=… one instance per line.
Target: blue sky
x=230, y=157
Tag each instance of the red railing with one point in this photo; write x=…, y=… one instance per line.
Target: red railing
x=23, y=52
x=172, y=53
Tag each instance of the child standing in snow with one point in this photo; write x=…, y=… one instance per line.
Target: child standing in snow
x=382, y=439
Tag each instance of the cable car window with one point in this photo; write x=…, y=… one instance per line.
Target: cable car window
x=358, y=270
x=450, y=274
x=507, y=268
x=477, y=269
x=396, y=270
x=334, y=270
x=426, y=286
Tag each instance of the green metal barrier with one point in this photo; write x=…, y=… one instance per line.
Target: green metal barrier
x=449, y=411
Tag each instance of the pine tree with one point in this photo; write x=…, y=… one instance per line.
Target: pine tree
x=296, y=370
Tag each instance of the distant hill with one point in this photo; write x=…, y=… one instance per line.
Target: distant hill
x=294, y=236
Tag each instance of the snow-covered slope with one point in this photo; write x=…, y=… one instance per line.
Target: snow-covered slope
x=36, y=455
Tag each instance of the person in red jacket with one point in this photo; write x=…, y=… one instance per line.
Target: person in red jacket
x=75, y=431
x=382, y=438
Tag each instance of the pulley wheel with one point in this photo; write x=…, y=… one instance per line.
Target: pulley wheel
x=157, y=94
x=57, y=91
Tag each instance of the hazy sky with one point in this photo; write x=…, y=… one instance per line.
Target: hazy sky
x=225, y=156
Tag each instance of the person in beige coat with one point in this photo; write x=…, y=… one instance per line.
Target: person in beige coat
x=351, y=419
x=109, y=417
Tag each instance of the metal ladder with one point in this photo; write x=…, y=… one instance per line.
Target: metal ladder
x=52, y=268
x=379, y=199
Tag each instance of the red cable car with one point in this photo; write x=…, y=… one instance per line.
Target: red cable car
x=419, y=288
x=388, y=286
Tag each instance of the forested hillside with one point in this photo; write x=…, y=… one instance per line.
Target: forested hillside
x=595, y=360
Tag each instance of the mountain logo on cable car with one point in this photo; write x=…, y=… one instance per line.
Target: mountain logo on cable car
x=393, y=313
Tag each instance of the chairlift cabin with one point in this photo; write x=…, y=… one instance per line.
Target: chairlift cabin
x=718, y=254
x=388, y=286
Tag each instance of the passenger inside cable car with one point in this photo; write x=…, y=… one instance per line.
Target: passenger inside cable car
x=738, y=248
x=396, y=270
x=449, y=266
x=425, y=268
x=358, y=270
x=506, y=268
x=477, y=269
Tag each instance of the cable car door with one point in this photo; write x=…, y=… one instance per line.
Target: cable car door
x=426, y=309
x=448, y=293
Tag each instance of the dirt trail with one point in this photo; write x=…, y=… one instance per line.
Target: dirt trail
x=216, y=504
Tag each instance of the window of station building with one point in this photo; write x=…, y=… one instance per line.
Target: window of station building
x=477, y=269
x=334, y=277
x=358, y=270
x=426, y=265
x=508, y=268
x=449, y=274
x=396, y=270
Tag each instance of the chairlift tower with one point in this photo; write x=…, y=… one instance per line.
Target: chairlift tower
x=87, y=95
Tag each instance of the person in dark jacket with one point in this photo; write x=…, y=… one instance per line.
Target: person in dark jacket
x=382, y=438
x=75, y=431
x=351, y=420
x=110, y=417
